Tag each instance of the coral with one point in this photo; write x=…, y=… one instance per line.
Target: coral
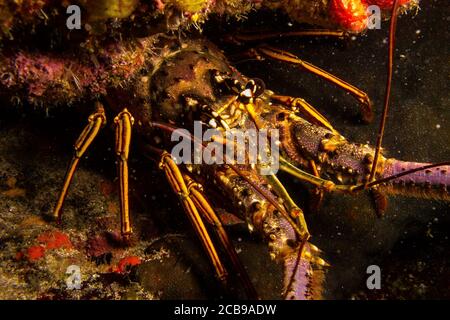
x=14, y=13
x=55, y=240
x=35, y=253
x=66, y=78
x=350, y=14
x=127, y=262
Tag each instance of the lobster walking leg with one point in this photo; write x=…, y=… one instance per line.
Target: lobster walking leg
x=305, y=109
x=203, y=205
x=318, y=193
x=95, y=122
x=294, y=210
x=299, y=105
x=178, y=184
x=302, y=266
x=252, y=36
x=124, y=121
x=361, y=96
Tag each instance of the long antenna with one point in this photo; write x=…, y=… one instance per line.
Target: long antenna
x=401, y=174
x=392, y=29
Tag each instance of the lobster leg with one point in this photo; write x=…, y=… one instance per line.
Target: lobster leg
x=303, y=268
x=95, y=121
x=305, y=109
x=318, y=193
x=178, y=184
x=252, y=36
x=361, y=96
x=292, y=207
x=124, y=122
x=203, y=205
x=311, y=114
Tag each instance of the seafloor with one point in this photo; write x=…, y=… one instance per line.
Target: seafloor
x=410, y=244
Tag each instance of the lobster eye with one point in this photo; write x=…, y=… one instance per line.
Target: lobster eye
x=247, y=93
x=257, y=86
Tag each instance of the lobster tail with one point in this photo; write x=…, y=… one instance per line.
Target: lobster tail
x=430, y=183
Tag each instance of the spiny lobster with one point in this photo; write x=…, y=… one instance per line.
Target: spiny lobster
x=166, y=82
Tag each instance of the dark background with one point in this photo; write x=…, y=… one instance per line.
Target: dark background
x=410, y=244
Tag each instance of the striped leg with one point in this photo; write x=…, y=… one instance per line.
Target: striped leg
x=124, y=122
x=95, y=122
x=361, y=96
x=202, y=204
x=178, y=184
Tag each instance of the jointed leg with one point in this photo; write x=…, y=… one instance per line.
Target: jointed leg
x=96, y=121
x=318, y=193
x=202, y=204
x=366, y=107
x=327, y=185
x=294, y=210
x=253, y=36
x=305, y=109
x=124, y=121
x=179, y=186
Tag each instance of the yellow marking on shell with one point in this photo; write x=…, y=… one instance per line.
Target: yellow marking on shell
x=328, y=145
x=224, y=179
x=322, y=157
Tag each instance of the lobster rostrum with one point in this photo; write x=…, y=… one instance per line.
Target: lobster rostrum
x=162, y=82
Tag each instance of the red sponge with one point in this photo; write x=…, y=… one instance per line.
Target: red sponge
x=349, y=14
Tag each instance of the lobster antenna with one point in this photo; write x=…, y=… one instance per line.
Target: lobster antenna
x=401, y=174
x=170, y=128
x=392, y=29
